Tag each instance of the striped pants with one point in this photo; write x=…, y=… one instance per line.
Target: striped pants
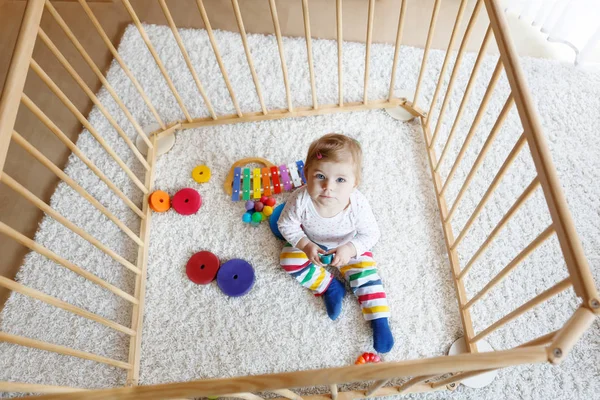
x=361, y=272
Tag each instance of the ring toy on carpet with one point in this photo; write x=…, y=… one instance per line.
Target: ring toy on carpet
x=187, y=201
x=159, y=201
x=202, y=267
x=201, y=174
x=236, y=277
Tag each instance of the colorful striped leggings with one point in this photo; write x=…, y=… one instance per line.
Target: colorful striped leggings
x=361, y=272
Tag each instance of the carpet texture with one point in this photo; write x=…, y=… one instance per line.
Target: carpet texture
x=195, y=332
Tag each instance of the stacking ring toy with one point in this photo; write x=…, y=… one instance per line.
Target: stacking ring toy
x=235, y=277
x=159, y=201
x=202, y=267
x=201, y=174
x=187, y=201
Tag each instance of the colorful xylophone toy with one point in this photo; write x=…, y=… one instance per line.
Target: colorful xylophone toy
x=253, y=183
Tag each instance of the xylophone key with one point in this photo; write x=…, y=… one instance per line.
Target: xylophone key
x=246, y=182
x=266, y=182
x=300, y=165
x=275, y=178
x=235, y=193
x=256, y=183
x=293, y=169
x=285, y=178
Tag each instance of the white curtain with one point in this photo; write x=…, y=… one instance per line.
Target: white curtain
x=575, y=23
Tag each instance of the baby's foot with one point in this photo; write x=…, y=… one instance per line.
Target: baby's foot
x=383, y=341
x=333, y=298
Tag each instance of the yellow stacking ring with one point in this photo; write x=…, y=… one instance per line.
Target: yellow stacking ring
x=201, y=174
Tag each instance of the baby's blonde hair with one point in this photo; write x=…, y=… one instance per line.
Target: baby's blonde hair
x=335, y=147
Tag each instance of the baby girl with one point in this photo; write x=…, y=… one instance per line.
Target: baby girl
x=330, y=216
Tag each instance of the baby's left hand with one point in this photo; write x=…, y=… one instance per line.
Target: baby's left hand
x=343, y=254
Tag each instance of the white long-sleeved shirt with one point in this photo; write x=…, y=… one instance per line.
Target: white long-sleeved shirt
x=355, y=224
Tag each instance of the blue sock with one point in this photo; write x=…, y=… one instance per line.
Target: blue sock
x=383, y=341
x=333, y=298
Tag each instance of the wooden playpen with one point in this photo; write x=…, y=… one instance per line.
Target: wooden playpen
x=423, y=374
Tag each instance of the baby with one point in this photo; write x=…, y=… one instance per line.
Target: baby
x=330, y=216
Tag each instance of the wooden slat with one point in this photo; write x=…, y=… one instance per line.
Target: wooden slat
x=497, y=179
x=63, y=25
x=540, y=341
x=74, y=185
x=67, y=142
x=24, y=290
x=370, y=18
x=473, y=77
x=288, y=394
x=213, y=43
x=334, y=391
x=571, y=247
x=375, y=386
x=169, y=131
x=480, y=157
x=412, y=382
x=309, y=52
x=298, y=112
x=455, y=69
x=434, y=16
x=137, y=317
x=244, y=396
x=17, y=187
x=61, y=58
x=397, y=47
x=240, y=23
x=67, y=102
x=566, y=338
x=461, y=295
x=449, y=52
x=119, y=59
x=157, y=59
x=20, y=387
x=513, y=209
x=186, y=57
x=489, y=91
x=512, y=265
x=25, y=241
x=286, y=82
x=67, y=351
x=352, y=373
x=545, y=295
x=17, y=74
x=340, y=45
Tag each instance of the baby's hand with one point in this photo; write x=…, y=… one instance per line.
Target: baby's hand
x=343, y=254
x=312, y=251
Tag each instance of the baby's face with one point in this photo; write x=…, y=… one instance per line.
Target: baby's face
x=330, y=184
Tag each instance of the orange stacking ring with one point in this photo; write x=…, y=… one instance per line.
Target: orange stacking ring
x=159, y=201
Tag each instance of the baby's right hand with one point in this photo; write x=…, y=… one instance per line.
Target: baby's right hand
x=312, y=251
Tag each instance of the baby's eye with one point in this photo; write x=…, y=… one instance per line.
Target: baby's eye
x=341, y=180
x=320, y=176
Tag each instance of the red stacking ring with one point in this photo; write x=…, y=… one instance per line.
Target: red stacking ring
x=202, y=267
x=187, y=201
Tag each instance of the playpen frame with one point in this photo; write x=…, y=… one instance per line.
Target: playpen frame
x=425, y=374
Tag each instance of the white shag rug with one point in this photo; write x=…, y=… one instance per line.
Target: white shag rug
x=195, y=332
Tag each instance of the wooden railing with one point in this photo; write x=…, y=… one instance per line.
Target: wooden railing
x=424, y=375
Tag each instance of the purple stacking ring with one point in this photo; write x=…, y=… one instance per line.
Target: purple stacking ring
x=235, y=277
